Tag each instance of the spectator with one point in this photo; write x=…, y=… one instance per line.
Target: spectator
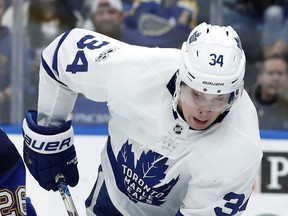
x=13, y=200
x=276, y=21
x=163, y=24
x=271, y=23
x=267, y=95
x=46, y=19
x=107, y=17
x=45, y=11
x=258, y=24
x=275, y=30
x=6, y=68
x=42, y=21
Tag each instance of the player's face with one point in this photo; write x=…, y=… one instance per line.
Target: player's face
x=199, y=109
x=108, y=20
x=198, y=119
x=273, y=78
x=204, y=101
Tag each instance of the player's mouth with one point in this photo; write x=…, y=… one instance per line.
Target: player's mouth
x=199, y=122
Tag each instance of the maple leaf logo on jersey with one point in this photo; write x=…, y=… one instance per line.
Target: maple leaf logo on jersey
x=141, y=182
x=194, y=37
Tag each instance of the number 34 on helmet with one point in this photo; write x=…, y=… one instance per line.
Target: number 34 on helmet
x=212, y=65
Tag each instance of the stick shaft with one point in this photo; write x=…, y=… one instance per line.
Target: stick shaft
x=66, y=196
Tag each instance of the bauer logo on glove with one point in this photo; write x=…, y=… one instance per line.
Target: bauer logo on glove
x=48, y=147
x=51, y=144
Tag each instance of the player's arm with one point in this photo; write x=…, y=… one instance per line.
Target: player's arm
x=67, y=68
x=8, y=153
x=48, y=135
x=12, y=180
x=74, y=63
x=218, y=198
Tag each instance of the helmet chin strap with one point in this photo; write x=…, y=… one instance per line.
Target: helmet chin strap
x=175, y=102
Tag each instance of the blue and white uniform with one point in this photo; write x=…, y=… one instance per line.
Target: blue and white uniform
x=13, y=200
x=153, y=162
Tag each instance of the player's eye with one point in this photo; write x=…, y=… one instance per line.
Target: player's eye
x=197, y=94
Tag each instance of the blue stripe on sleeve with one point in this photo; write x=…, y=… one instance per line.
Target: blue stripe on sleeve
x=49, y=71
x=55, y=61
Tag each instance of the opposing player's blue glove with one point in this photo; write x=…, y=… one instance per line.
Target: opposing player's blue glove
x=49, y=151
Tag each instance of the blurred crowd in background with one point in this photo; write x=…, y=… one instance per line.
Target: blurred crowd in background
x=262, y=27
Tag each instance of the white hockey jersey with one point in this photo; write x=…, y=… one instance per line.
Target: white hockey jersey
x=153, y=163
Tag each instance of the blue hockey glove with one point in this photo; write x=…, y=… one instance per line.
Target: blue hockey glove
x=49, y=151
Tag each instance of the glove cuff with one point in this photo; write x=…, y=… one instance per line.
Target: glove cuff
x=31, y=118
x=47, y=144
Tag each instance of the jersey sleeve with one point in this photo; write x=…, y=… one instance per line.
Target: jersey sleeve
x=97, y=66
x=68, y=67
x=218, y=198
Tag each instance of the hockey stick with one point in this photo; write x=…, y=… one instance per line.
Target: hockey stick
x=66, y=195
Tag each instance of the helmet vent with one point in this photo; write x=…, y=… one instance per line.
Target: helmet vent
x=197, y=53
x=234, y=81
x=191, y=76
x=208, y=30
x=227, y=33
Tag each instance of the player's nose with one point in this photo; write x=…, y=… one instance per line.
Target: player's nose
x=203, y=112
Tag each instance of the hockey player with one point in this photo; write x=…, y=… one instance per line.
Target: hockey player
x=183, y=135
x=13, y=200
